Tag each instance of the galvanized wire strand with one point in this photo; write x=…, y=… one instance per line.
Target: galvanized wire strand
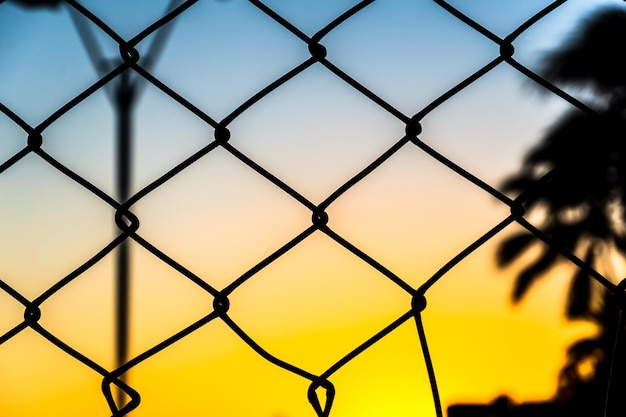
x=80, y=270
x=32, y=322
x=367, y=344
x=96, y=21
x=364, y=173
x=13, y=293
x=175, y=265
x=265, y=262
x=551, y=87
x=270, y=177
x=319, y=52
x=469, y=21
x=465, y=253
x=456, y=89
x=22, y=300
x=265, y=91
x=170, y=174
x=131, y=363
x=462, y=172
x=15, y=118
x=162, y=34
x=161, y=23
x=175, y=96
x=82, y=96
x=534, y=19
x=569, y=255
x=262, y=352
x=13, y=332
x=76, y=178
x=280, y=20
x=339, y=20
x=14, y=159
x=365, y=91
x=429, y=364
x=367, y=259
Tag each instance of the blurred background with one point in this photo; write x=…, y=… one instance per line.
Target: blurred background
x=219, y=218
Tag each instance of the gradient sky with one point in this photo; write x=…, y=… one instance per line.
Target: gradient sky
x=219, y=218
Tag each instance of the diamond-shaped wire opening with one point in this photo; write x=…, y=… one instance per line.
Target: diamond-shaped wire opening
x=163, y=301
x=212, y=371
x=413, y=214
x=49, y=226
x=36, y=94
x=472, y=327
x=82, y=313
x=317, y=143
x=389, y=378
x=127, y=19
x=219, y=218
x=400, y=62
x=310, y=17
x=83, y=140
x=165, y=134
x=38, y=378
x=316, y=303
x=498, y=18
x=222, y=53
x=507, y=117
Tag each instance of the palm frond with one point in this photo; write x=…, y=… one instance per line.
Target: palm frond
x=592, y=54
x=512, y=248
x=578, y=303
x=531, y=273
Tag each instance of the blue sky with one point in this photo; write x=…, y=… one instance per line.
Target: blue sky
x=386, y=47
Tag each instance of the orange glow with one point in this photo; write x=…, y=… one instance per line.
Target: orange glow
x=310, y=308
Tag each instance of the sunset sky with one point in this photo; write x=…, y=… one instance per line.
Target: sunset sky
x=219, y=218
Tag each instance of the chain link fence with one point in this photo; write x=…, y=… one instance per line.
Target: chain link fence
x=121, y=77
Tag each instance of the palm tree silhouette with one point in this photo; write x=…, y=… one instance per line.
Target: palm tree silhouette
x=581, y=205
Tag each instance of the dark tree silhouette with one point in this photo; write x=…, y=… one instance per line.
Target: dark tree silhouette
x=581, y=205
x=37, y=3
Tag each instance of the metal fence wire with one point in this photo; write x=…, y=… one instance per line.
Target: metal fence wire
x=119, y=77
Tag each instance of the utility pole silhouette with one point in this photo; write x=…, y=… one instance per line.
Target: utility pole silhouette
x=123, y=93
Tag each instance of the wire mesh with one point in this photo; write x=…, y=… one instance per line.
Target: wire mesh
x=117, y=77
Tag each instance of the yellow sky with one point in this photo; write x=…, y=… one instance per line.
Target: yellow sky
x=480, y=345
